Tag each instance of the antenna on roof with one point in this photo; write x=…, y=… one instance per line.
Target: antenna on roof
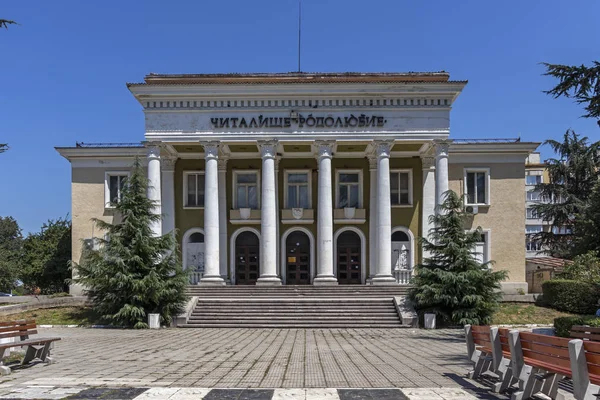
x=299, y=31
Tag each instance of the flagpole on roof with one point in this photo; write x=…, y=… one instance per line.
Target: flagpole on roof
x=299, y=31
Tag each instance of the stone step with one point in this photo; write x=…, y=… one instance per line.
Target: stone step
x=293, y=326
x=228, y=310
x=311, y=317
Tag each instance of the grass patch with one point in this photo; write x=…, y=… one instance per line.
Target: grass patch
x=58, y=316
x=13, y=358
x=520, y=314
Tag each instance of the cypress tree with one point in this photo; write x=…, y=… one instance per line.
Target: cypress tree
x=131, y=273
x=451, y=282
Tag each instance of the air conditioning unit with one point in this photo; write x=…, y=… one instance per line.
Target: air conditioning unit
x=472, y=209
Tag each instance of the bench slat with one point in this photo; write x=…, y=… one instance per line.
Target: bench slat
x=17, y=328
x=550, y=367
x=17, y=334
x=480, y=329
x=17, y=322
x=561, y=352
x=549, y=340
x=29, y=342
x=583, y=328
x=548, y=359
x=585, y=335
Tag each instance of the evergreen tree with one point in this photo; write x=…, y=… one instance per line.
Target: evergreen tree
x=580, y=83
x=451, y=282
x=573, y=174
x=587, y=225
x=11, y=250
x=131, y=273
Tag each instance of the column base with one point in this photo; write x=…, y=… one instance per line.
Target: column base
x=268, y=281
x=325, y=280
x=383, y=280
x=215, y=280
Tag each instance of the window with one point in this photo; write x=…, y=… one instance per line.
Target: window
x=531, y=229
x=401, y=187
x=114, y=182
x=246, y=190
x=482, y=252
x=532, y=195
x=533, y=179
x=533, y=245
x=193, y=189
x=349, y=193
x=298, y=189
x=477, y=186
x=532, y=213
x=561, y=230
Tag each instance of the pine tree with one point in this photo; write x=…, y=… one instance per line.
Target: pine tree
x=451, y=282
x=587, y=225
x=132, y=273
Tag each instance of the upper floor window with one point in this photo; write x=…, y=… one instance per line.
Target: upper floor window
x=533, y=245
x=114, y=182
x=246, y=189
x=561, y=230
x=531, y=229
x=401, y=187
x=349, y=189
x=532, y=213
x=298, y=189
x=533, y=179
x=533, y=195
x=477, y=186
x=193, y=189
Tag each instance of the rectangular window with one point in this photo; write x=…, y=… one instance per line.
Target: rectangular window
x=401, y=187
x=533, y=179
x=477, y=186
x=533, y=245
x=246, y=189
x=193, y=189
x=297, y=189
x=481, y=252
x=532, y=195
x=561, y=230
x=531, y=229
x=349, y=189
x=114, y=182
x=532, y=213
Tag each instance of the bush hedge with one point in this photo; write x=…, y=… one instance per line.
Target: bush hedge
x=562, y=325
x=576, y=297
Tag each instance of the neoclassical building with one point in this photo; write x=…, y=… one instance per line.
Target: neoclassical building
x=306, y=178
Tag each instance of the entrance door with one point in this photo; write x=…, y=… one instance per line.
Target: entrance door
x=297, y=246
x=349, y=258
x=246, y=259
x=194, y=254
x=401, y=266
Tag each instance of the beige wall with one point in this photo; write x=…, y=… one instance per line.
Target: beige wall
x=505, y=217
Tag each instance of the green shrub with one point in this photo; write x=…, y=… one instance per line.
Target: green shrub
x=576, y=297
x=60, y=294
x=562, y=325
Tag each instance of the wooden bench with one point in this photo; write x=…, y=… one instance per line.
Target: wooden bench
x=479, y=349
x=35, y=348
x=585, y=332
x=541, y=361
x=501, y=359
x=585, y=364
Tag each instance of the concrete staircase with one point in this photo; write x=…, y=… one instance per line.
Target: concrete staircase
x=295, y=307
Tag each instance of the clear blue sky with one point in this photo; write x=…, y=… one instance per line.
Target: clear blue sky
x=64, y=69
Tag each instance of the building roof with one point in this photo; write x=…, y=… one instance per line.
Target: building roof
x=296, y=78
x=549, y=262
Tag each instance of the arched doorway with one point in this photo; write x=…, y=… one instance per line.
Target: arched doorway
x=247, y=248
x=349, y=258
x=297, y=264
x=402, y=255
x=193, y=254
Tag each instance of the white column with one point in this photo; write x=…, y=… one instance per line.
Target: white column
x=168, y=195
x=325, y=216
x=211, y=216
x=429, y=197
x=384, y=215
x=268, y=216
x=441, y=171
x=373, y=216
x=277, y=218
x=154, y=185
x=222, y=164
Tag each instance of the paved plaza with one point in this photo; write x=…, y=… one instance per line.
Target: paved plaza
x=424, y=364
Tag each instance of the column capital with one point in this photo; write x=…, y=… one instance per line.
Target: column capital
x=427, y=161
x=211, y=150
x=222, y=163
x=168, y=163
x=268, y=148
x=372, y=162
x=324, y=148
x=442, y=147
x=153, y=149
x=383, y=148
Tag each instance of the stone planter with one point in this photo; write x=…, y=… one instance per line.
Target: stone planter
x=429, y=321
x=154, y=321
